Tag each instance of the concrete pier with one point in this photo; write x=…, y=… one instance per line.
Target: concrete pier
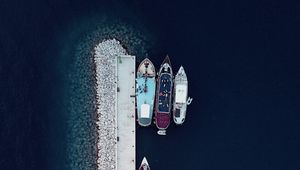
x=126, y=113
x=115, y=85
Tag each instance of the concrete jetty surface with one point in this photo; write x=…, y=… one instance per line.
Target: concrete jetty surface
x=115, y=86
x=126, y=113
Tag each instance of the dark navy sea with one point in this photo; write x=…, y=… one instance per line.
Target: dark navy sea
x=241, y=58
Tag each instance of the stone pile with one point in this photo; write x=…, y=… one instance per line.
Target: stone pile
x=105, y=58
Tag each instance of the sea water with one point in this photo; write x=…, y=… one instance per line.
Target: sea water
x=240, y=59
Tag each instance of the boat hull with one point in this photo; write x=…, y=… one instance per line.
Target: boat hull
x=180, y=97
x=164, y=96
x=144, y=165
x=145, y=92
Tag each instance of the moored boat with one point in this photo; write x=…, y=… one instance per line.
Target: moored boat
x=180, y=97
x=145, y=92
x=164, y=96
x=144, y=165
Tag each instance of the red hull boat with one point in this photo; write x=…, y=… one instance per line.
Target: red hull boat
x=164, y=96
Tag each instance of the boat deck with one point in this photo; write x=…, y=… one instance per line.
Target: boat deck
x=145, y=92
x=165, y=88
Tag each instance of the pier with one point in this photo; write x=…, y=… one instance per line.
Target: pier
x=126, y=113
x=115, y=86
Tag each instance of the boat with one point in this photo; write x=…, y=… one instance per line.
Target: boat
x=145, y=92
x=164, y=96
x=144, y=165
x=180, y=97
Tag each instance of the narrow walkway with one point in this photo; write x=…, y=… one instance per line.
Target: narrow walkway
x=126, y=113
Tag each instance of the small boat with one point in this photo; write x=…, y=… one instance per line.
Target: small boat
x=145, y=92
x=164, y=96
x=180, y=97
x=144, y=165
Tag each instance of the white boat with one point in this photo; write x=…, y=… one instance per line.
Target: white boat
x=144, y=165
x=181, y=99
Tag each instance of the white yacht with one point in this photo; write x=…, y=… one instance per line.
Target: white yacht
x=181, y=99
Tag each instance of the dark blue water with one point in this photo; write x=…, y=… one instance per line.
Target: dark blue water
x=242, y=61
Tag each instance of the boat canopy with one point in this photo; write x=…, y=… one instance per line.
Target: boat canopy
x=145, y=111
x=181, y=93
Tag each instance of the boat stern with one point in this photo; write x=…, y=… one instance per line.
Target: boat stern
x=179, y=115
x=179, y=120
x=162, y=121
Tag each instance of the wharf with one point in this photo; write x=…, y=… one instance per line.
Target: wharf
x=115, y=86
x=126, y=113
